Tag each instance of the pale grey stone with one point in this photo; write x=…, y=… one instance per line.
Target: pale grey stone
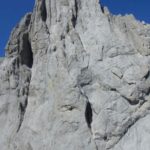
x=1, y=59
x=75, y=77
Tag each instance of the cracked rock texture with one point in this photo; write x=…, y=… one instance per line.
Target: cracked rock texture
x=76, y=77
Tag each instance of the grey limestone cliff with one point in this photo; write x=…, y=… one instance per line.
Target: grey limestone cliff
x=76, y=77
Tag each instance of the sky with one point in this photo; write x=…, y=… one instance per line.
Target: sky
x=11, y=11
x=139, y=8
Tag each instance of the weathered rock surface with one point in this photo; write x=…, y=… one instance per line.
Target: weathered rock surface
x=76, y=77
x=1, y=59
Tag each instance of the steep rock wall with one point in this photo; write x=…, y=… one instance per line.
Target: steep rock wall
x=75, y=77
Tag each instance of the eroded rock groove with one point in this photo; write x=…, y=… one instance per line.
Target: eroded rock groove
x=88, y=114
x=43, y=10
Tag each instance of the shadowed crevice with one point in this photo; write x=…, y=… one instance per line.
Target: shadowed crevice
x=43, y=11
x=22, y=108
x=75, y=15
x=26, y=53
x=88, y=114
x=26, y=58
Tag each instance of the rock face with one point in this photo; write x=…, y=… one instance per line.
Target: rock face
x=76, y=77
x=1, y=59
